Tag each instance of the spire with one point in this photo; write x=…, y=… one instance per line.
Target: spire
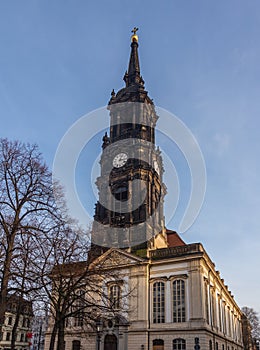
x=134, y=90
x=132, y=76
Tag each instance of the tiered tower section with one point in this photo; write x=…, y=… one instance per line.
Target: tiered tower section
x=131, y=192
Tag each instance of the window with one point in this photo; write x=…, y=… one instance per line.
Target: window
x=67, y=323
x=78, y=320
x=76, y=345
x=8, y=336
x=219, y=313
x=210, y=345
x=206, y=288
x=179, y=344
x=179, y=313
x=158, y=302
x=22, y=337
x=79, y=308
x=10, y=321
x=114, y=296
x=121, y=193
x=24, y=322
x=158, y=344
x=216, y=345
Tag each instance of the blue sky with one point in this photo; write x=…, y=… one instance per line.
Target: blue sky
x=199, y=59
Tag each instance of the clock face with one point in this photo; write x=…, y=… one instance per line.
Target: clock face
x=120, y=160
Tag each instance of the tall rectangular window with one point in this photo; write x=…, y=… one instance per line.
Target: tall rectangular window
x=114, y=296
x=179, y=312
x=206, y=301
x=158, y=302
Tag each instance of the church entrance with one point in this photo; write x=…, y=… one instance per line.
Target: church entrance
x=110, y=342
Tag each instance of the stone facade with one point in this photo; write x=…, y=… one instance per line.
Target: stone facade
x=175, y=295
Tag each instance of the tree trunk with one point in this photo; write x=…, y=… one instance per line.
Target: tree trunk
x=53, y=336
x=61, y=342
x=16, y=323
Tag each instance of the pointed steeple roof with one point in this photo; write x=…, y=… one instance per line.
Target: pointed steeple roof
x=134, y=83
x=132, y=76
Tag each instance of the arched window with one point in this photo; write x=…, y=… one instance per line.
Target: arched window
x=121, y=193
x=179, y=344
x=114, y=296
x=210, y=345
x=158, y=344
x=76, y=345
x=179, y=313
x=158, y=302
x=110, y=342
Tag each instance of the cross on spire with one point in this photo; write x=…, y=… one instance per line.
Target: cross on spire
x=135, y=30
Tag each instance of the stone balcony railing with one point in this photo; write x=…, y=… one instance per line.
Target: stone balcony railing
x=172, y=252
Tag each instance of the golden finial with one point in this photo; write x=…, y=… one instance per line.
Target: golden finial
x=134, y=37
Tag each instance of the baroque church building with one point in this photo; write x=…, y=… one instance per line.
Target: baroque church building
x=174, y=299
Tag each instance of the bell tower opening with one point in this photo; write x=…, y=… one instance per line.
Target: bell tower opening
x=121, y=193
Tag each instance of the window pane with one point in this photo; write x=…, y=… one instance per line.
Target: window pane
x=158, y=302
x=114, y=295
x=179, y=344
x=179, y=313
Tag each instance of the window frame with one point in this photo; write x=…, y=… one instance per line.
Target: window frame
x=114, y=298
x=179, y=344
x=178, y=300
x=158, y=301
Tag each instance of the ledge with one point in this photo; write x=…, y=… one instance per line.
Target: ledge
x=172, y=252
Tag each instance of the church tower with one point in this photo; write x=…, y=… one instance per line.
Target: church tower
x=129, y=212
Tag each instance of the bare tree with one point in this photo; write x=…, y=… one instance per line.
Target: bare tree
x=253, y=319
x=42, y=257
x=24, y=281
x=73, y=284
x=27, y=205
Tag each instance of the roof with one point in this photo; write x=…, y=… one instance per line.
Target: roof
x=14, y=300
x=173, y=239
